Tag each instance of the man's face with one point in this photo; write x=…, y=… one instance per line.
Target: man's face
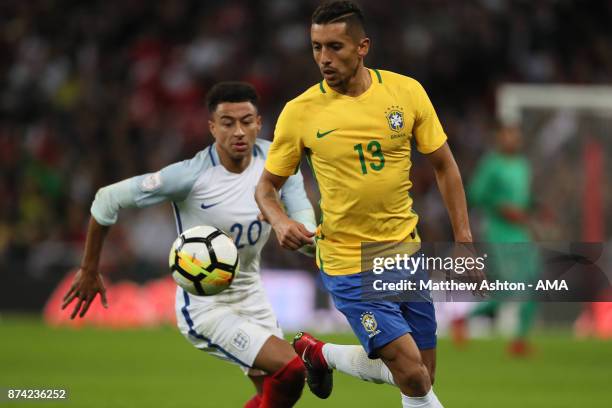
x=509, y=139
x=336, y=52
x=235, y=125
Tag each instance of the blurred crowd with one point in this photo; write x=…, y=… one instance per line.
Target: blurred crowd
x=94, y=92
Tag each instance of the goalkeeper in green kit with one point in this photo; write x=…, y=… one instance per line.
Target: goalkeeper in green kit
x=501, y=189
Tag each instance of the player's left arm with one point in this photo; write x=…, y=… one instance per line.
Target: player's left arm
x=451, y=187
x=431, y=140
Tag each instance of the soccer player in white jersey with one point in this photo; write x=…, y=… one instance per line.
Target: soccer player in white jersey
x=216, y=188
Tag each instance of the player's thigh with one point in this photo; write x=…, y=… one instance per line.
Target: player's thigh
x=421, y=317
x=274, y=355
x=376, y=323
x=226, y=334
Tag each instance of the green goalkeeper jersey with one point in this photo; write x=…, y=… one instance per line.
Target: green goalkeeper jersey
x=501, y=180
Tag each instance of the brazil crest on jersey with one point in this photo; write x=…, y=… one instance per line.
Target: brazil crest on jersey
x=359, y=150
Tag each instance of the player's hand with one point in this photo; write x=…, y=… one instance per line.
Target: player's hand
x=514, y=214
x=473, y=274
x=84, y=288
x=292, y=234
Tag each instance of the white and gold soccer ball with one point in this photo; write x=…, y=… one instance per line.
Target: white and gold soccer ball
x=204, y=260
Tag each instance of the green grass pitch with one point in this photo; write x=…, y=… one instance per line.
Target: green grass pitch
x=159, y=368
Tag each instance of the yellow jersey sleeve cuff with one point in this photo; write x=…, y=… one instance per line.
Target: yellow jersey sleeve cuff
x=280, y=171
x=433, y=147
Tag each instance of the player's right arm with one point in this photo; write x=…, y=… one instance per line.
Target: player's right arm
x=88, y=282
x=171, y=183
x=290, y=233
x=282, y=161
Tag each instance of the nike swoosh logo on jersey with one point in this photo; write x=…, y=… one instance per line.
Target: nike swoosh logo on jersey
x=204, y=206
x=322, y=134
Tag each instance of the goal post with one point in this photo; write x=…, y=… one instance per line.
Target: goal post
x=568, y=138
x=513, y=99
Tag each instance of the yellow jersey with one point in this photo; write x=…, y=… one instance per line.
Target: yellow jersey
x=359, y=151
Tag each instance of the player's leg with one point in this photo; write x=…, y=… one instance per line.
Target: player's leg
x=283, y=387
x=249, y=339
x=487, y=308
x=525, y=271
x=348, y=359
x=421, y=318
x=410, y=372
x=258, y=381
x=458, y=315
x=520, y=345
x=527, y=312
x=273, y=356
x=380, y=324
x=354, y=361
x=429, y=359
x=404, y=360
x=321, y=358
x=414, y=366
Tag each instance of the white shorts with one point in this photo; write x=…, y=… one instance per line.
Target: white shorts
x=234, y=331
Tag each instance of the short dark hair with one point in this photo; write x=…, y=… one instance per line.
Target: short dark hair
x=230, y=91
x=340, y=12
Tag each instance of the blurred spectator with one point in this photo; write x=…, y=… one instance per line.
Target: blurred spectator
x=94, y=92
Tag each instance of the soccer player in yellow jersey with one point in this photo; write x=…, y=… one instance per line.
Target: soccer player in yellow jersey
x=355, y=128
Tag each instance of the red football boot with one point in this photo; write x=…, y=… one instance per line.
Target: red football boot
x=520, y=348
x=319, y=376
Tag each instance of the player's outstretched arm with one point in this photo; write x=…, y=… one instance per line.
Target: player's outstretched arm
x=290, y=234
x=88, y=282
x=173, y=182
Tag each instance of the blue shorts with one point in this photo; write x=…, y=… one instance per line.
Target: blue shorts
x=378, y=322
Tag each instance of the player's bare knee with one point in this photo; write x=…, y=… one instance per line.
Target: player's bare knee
x=413, y=380
x=274, y=355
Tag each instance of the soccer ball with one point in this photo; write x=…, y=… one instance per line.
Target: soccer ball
x=204, y=260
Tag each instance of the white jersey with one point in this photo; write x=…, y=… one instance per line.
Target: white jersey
x=204, y=192
x=234, y=324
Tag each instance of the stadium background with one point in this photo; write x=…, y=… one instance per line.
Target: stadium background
x=95, y=92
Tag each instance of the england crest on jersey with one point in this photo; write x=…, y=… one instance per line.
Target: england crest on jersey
x=395, y=118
